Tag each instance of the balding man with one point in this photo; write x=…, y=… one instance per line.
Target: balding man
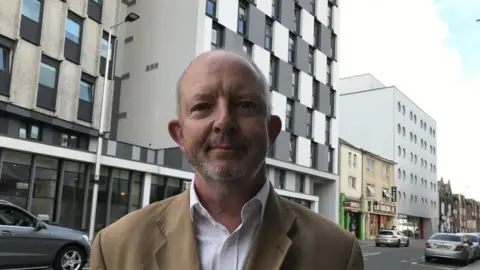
x=231, y=217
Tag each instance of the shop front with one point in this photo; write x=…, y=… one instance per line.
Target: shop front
x=411, y=226
x=381, y=216
x=353, y=216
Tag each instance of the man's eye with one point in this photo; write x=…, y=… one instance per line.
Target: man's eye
x=201, y=107
x=246, y=105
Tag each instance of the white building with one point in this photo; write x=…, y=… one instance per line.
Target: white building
x=292, y=42
x=384, y=121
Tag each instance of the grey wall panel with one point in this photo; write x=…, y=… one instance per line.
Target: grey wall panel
x=256, y=26
x=284, y=78
x=323, y=98
x=117, y=86
x=173, y=158
x=300, y=119
x=287, y=13
x=233, y=41
x=301, y=56
x=14, y=128
x=322, y=157
x=47, y=135
x=143, y=154
x=124, y=150
x=282, y=146
x=305, y=4
x=326, y=41
x=185, y=164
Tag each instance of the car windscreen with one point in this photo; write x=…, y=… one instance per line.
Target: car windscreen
x=472, y=238
x=447, y=237
x=386, y=233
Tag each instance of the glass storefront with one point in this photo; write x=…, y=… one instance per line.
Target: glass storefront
x=136, y=191
x=44, y=186
x=102, y=198
x=73, y=195
x=165, y=187
x=120, y=193
x=15, y=177
x=409, y=225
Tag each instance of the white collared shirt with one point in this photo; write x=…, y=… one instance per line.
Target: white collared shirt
x=218, y=248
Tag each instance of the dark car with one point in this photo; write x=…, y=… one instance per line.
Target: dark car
x=27, y=241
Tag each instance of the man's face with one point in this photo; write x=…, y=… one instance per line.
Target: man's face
x=224, y=129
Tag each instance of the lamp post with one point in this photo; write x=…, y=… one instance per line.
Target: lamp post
x=131, y=17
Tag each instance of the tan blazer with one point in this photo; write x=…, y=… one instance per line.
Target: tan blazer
x=161, y=237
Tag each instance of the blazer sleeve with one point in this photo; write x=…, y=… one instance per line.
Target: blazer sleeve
x=356, y=257
x=96, y=255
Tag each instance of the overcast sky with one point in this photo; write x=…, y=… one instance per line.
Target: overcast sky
x=430, y=50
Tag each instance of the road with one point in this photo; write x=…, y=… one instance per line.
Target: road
x=405, y=258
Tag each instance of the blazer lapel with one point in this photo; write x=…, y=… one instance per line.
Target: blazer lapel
x=178, y=246
x=272, y=243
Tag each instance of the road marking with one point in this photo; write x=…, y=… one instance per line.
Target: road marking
x=371, y=254
x=434, y=266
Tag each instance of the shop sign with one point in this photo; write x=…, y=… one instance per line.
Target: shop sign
x=351, y=204
x=384, y=208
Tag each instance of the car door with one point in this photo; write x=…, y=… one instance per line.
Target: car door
x=20, y=241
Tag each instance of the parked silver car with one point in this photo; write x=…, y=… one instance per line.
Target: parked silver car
x=392, y=238
x=475, y=239
x=27, y=241
x=450, y=246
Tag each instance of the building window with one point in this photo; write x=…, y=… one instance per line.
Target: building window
x=282, y=179
x=327, y=130
x=242, y=18
x=44, y=189
x=296, y=20
x=74, y=141
x=333, y=46
x=291, y=48
x=268, y=35
x=309, y=123
x=29, y=131
x=273, y=73
x=73, y=38
x=301, y=183
x=247, y=47
x=47, y=84
x=292, y=148
x=313, y=154
x=31, y=23
x=315, y=90
x=312, y=6
x=295, y=83
x=5, y=68
x=86, y=98
x=352, y=182
x=216, y=41
x=211, y=9
x=15, y=177
x=316, y=33
x=104, y=53
x=311, y=64
x=330, y=159
x=349, y=159
x=329, y=72
x=331, y=105
x=370, y=164
x=330, y=15
x=120, y=193
x=289, y=116
x=354, y=160
x=95, y=10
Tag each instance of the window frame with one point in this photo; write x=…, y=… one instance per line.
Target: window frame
x=292, y=48
x=289, y=114
x=214, y=4
x=268, y=25
x=311, y=60
x=309, y=123
x=242, y=5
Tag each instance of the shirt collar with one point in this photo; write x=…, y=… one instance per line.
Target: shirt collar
x=261, y=196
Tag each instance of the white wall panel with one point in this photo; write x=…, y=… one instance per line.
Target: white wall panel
x=201, y=25
x=303, y=151
x=319, y=127
x=322, y=11
x=308, y=25
x=279, y=106
x=147, y=181
x=335, y=77
x=306, y=91
x=321, y=66
x=261, y=57
x=228, y=14
x=336, y=21
x=265, y=6
x=334, y=133
x=207, y=41
x=290, y=180
x=280, y=41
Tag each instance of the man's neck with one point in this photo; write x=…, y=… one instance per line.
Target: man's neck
x=225, y=206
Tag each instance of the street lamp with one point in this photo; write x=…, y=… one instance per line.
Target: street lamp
x=131, y=17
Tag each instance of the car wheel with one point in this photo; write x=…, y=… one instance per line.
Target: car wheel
x=466, y=261
x=399, y=243
x=408, y=243
x=377, y=245
x=428, y=258
x=69, y=258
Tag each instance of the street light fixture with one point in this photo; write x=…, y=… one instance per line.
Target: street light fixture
x=131, y=17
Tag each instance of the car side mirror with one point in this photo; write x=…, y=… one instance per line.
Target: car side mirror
x=39, y=226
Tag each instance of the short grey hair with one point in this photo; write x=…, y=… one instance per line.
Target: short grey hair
x=260, y=77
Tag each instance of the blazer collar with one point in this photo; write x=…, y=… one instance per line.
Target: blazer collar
x=178, y=245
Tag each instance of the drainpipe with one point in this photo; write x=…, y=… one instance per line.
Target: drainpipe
x=342, y=211
x=362, y=220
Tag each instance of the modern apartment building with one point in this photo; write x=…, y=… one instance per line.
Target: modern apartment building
x=386, y=122
x=292, y=42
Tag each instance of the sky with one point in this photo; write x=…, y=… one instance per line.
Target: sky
x=430, y=50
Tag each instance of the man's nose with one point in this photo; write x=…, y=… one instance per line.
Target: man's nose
x=225, y=120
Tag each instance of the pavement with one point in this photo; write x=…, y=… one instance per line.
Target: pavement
x=405, y=258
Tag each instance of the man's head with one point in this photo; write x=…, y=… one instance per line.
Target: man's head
x=224, y=124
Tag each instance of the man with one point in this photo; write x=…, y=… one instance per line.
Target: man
x=230, y=218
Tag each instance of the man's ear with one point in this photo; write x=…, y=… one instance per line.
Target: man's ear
x=175, y=130
x=274, y=127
